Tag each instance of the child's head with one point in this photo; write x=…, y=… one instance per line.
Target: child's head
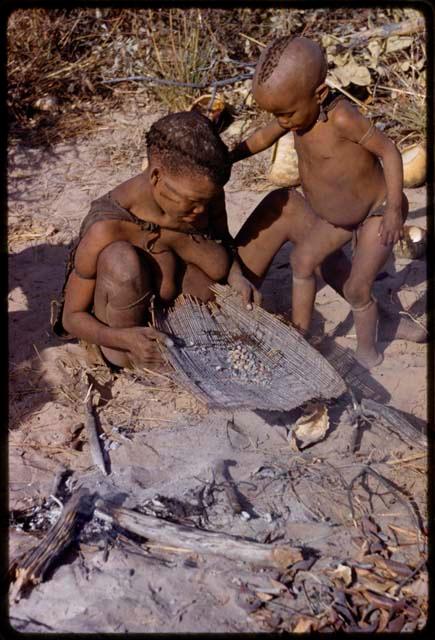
x=289, y=81
x=188, y=163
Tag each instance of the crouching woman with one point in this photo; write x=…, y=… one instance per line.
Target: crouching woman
x=158, y=234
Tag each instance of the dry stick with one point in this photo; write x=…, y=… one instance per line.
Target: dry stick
x=409, y=577
x=409, y=93
x=417, y=456
x=177, y=83
x=94, y=440
x=390, y=486
x=260, y=44
x=388, y=30
x=205, y=542
x=31, y=567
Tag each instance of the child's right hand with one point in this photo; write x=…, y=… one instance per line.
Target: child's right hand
x=391, y=227
x=141, y=344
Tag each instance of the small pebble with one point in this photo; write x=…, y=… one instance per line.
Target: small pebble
x=245, y=515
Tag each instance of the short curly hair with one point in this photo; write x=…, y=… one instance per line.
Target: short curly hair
x=270, y=58
x=187, y=142
x=304, y=51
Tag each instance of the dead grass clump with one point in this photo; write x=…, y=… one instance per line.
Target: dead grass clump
x=65, y=66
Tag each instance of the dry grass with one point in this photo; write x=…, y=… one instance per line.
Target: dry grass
x=69, y=54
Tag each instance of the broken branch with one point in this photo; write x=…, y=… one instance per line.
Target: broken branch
x=31, y=567
x=94, y=440
x=201, y=541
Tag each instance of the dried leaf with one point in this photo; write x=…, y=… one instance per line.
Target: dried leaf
x=397, y=624
x=375, y=48
x=277, y=585
x=382, y=601
x=311, y=428
x=419, y=588
x=392, y=567
x=352, y=72
x=375, y=585
x=264, y=597
x=342, y=572
x=396, y=43
x=341, y=59
x=303, y=625
x=328, y=41
x=384, y=619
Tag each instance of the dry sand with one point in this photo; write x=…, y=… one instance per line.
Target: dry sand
x=172, y=442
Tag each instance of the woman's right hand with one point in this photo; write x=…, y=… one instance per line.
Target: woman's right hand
x=142, y=345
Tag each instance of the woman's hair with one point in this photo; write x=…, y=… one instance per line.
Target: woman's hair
x=187, y=142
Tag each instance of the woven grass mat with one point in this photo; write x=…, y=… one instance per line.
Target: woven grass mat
x=228, y=356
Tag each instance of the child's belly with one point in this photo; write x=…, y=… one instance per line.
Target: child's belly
x=342, y=194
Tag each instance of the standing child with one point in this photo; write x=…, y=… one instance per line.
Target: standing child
x=351, y=177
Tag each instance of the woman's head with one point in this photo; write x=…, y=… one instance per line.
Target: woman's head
x=188, y=162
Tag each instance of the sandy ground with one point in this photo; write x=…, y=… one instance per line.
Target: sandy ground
x=49, y=193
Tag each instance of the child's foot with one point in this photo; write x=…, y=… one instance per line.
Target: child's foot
x=368, y=358
x=366, y=322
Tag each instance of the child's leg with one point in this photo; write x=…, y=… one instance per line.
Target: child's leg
x=370, y=256
x=123, y=292
x=322, y=240
x=283, y=215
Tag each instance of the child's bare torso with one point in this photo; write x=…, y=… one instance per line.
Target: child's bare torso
x=341, y=180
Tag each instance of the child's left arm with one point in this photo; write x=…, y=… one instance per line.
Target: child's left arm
x=352, y=125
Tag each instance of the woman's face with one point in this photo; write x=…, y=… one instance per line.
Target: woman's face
x=183, y=197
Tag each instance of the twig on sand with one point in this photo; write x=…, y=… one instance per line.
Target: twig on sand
x=94, y=440
x=183, y=537
x=420, y=324
x=390, y=486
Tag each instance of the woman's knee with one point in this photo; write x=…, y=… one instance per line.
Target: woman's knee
x=356, y=293
x=120, y=262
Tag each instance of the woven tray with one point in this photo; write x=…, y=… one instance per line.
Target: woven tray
x=230, y=357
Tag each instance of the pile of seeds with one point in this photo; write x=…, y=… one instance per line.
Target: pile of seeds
x=246, y=366
x=237, y=361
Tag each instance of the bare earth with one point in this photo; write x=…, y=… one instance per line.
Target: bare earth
x=167, y=444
